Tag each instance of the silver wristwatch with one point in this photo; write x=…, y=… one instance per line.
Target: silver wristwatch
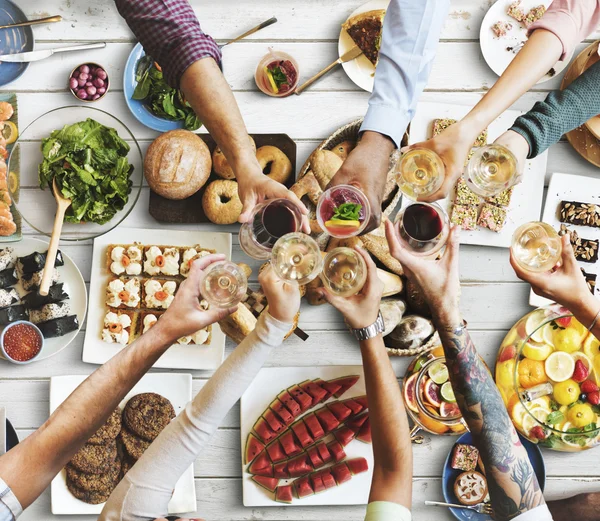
x=364, y=333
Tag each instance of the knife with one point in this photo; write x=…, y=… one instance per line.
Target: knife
x=353, y=53
x=46, y=20
x=34, y=56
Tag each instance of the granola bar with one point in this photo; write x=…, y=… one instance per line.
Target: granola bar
x=464, y=457
x=533, y=15
x=502, y=199
x=492, y=217
x=585, y=250
x=464, y=195
x=464, y=216
x=514, y=11
x=583, y=214
x=590, y=279
x=439, y=125
x=501, y=29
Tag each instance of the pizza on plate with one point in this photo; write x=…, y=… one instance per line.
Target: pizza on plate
x=365, y=30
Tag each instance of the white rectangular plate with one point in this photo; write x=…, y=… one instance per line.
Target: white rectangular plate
x=566, y=187
x=95, y=351
x=177, y=388
x=262, y=391
x=527, y=197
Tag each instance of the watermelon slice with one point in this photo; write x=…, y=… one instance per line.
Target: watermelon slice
x=354, y=406
x=362, y=400
x=356, y=423
x=279, y=409
x=267, y=483
x=274, y=423
x=336, y=450
x=364, y=434
x=339, y=410
x=299, y=466
x=260, y=463
x=301, y=433
x=341, y=473
x=317, y=482
x=313, y=426
x=344, y=435
x=304, y=400
x=357, y=465
x=327, y=420
x=330, y=387
x=284, y=494
x=315, y=458
x=265, y=471
x=328, y=479
x=290, y=404
x=314, y=390
x=303, y=488
x=280, y=470
x=290, y=447
x=323, y=452
x=275, y=451
x=253, y=448
x=345, y=382
x=265, y=433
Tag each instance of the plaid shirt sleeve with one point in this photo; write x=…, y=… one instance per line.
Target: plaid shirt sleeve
x=169, y=32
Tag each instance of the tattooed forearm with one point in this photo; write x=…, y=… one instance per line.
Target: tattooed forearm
x=512, y=484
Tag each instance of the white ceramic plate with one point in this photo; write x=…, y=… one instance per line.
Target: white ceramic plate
x=566, y=187
x=95, y=351
x=360, y=70
x=262, y=391
x=74, y=286
x=527, y=196
x=177, y=388
x=496, y=50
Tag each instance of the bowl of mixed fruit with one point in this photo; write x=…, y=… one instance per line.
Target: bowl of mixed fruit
x=548, y=373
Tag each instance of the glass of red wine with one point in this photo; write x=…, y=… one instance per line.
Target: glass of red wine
x=269, y=221
x=343, y=211
x=422, y=228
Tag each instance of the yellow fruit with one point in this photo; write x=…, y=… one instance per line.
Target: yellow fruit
x=505, y=374
x=10, y=132
x=591, y=346
x=578, y=326
x=342, y=222
x=596, y=365
x=537, y=351
x=430, y=424
x=271, y=81
x=438, y=351
x=543, y=402
x=559, y=366
x=510, y=338
x=517, y=414
x=567, y=392
x=581, y=415
x=13, y=183
x=532, y=326
x=568, y=340
x=539, y=414
x=548, y=334
x=531, y=373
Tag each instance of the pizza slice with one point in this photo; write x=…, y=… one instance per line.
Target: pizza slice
x=365, y=30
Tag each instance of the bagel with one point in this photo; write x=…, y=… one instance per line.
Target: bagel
x=220, y=164
x=343, y=149
x=280, y=165
x=221, y=202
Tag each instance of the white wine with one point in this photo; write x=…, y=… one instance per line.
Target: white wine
x=536, y=246
x=344, y=272
x=420, y=172
x=224, y=284
x=296, y=257
x=491, y=170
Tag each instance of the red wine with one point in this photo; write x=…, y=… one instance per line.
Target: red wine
x=422, y=222
x=274, y=222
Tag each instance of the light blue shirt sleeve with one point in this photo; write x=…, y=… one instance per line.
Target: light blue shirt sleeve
x=411, y=31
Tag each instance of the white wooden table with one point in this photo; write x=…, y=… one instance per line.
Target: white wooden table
x=493, y=298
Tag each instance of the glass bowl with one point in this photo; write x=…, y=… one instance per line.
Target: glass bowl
x=334, y=197
x=545, y=364
x=38, y=207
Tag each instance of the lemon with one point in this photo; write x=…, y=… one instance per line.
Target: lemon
x=565, y=436
x=581, y=415
x=543, y=402
x=10, y=132
x=448, y=393
x=591, y=346
x=567, y=340
x=578, y=326
x=517, y=414
x=537, y=351
x=272, y=81
x=559, y=366
x=510, y=337
x=505, y=374
x=529, y=420
x=438, y=372
x=13, y=183
x=532, y=326
x=342, y=222
x=548, y=334
x=567, y=392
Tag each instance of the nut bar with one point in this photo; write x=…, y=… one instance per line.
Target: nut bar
x=464, y=457
x=464, y=195
x=514, y=11
x=492, y=217
x=464, y=216
x=583, y=214
x=585, y=250
x=502, y=199
x=533, y=15
x=590, y=279
x=439, y=125
x=501, y=29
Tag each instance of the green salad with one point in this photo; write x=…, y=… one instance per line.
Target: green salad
x=89, y=162
x=161, y=99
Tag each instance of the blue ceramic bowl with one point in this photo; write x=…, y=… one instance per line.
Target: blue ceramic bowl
x=12, y=41
x=2, y=342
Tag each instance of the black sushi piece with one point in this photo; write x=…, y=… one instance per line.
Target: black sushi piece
x=8, y=278
x=59, y=326
x=12, y=314
x=36, y=261
x=56, y=294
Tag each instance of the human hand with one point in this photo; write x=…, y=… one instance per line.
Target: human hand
x=518, y=145
x=366, y=168
x=185, y=315
x=362, y=309
x=283, y=297
x=437, y=278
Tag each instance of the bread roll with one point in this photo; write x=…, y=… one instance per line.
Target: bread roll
x=177, y=164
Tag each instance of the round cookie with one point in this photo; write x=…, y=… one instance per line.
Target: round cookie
x=95, y=459
x=109, y=431
x=95, y=482
x=134, y=445
x=87, y=496
x=221, y=202
x=220, y=164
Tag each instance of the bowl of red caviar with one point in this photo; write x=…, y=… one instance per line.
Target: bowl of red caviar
x=21, y=342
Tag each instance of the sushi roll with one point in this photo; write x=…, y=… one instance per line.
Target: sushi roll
x=56, y=294
x=32, y=281
x=36, y=262
x=12, y=314
x=49, y=311
x=8, y=278
x=7, y=258
x=8, y=297
x=59, y=326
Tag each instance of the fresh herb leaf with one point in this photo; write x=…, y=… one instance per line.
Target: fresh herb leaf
x=347, y=212
x=555, y=417
x=279, y=76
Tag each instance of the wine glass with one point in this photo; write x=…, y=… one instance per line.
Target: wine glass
x=224, y=284
x=491, y=170
x=419, y=173
x=343, y=211
x=423, y=228
x=344, y=272
x=536, y=246
x=269, y=221
x=296, y=257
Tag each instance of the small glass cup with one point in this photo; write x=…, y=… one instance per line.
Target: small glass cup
x=34, y=329
x=420, y=172
x=296, y=258
x=491, y=170
x=333, y=199
x=262, y=79
x=224, y=284
x=344, y=272
x=536, y=246
x=423, y=228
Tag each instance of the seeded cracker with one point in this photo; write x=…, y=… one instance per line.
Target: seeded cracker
x=464, y=216
x=492, y=217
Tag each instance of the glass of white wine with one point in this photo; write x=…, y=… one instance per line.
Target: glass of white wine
x=536, y=246
x=491, y=170
x=420, y=172
x=296, y=258
x=344, y=272
x=224, y=284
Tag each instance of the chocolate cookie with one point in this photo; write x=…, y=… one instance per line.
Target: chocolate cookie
x=134, y=445
x=105, y=482
x=109, y=431
x=87, y=496
x=95, y=459
x=147, y=414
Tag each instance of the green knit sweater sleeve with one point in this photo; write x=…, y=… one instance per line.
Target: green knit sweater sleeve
x=560, y=112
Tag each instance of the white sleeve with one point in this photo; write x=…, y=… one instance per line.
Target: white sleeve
x=145, y=491
x=541, y=513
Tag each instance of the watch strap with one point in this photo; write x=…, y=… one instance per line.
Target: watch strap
x=365, y=333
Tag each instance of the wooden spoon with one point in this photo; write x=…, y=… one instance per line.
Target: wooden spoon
x=62, y=205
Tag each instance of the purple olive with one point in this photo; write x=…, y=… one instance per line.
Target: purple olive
x=73, y=83
x=82, y=94
x=101, y=90
x=84, y=76
x=75, y=74
x=98, y=82
x=101, y=73
x=85, y=69
x=96, y=96
x=80, y=82
x=91, y=90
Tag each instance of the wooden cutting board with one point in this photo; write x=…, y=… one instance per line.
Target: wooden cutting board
x=189, y=211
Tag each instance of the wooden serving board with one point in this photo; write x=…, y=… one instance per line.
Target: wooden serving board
x=190, y=211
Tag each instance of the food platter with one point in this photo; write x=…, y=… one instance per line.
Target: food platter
x=15, y=40
x=12, y=99
x=177, y=388
x=96, y=351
